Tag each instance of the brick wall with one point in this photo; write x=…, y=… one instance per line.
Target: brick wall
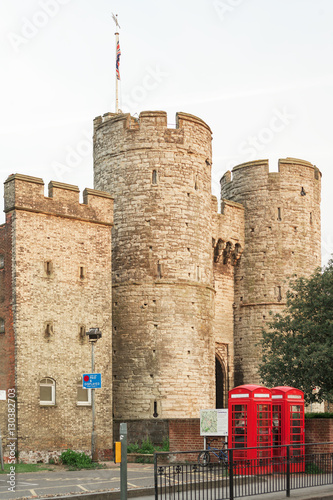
x=184, y=434
x=7, y=341
x=319, y=430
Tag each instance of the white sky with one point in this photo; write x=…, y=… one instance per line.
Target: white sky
x=240, y=65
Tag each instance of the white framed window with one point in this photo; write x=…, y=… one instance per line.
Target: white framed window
x=83, y=397
x=47, y=392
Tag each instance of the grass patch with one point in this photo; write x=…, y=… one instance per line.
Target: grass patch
x=26, y=468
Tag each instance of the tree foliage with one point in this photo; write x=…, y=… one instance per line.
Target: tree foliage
x=298, y=347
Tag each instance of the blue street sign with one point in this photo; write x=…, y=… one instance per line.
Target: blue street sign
x=92, y=381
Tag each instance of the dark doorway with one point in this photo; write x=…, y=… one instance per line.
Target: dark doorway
x=219, y=379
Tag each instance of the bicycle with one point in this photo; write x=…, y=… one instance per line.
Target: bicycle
x=204, y=456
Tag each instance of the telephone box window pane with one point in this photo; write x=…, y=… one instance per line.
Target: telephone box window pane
x=239, y=426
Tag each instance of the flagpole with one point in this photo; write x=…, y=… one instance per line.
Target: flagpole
x=115, y=18
x=117, y=94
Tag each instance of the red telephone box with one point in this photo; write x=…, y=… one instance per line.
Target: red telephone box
x=250, y=425
x=288, y=427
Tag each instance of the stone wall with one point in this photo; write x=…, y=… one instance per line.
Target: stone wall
x=62, y=287
x=282, y=239
x=154, y=430
x=163, y=295
x=228, y=243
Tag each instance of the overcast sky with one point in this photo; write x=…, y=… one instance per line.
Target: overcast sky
x=240, y=65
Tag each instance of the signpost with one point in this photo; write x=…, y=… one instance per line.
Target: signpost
x=92, y=380
x=93, y=334
x=123, y=464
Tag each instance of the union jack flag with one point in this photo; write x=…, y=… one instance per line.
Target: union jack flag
x=118, y=61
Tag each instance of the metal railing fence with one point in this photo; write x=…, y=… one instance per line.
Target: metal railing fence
x=185, y=476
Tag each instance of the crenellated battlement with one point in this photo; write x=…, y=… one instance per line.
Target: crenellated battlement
x=123, y=131
x=290, y=170
x=26, y=193
x=147, y=119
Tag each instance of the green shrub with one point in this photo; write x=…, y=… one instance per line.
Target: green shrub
x=133, y=448
x=312, y=468
x=76, y=459
x=147, y=447
x=318, y=415
x=165, y=445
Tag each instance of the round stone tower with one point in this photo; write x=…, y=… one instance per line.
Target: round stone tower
x=163, y=295
x=282, y=239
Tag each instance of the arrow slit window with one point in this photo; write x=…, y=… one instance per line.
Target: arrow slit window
x=47, y=392
x=83, y=395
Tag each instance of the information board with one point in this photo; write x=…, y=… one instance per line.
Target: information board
x=214, y=422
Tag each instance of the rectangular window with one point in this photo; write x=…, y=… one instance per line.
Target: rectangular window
x=45, y=394
x=83, y=395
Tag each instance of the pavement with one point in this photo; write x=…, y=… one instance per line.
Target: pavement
x=104, y=484
x=46, y=484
